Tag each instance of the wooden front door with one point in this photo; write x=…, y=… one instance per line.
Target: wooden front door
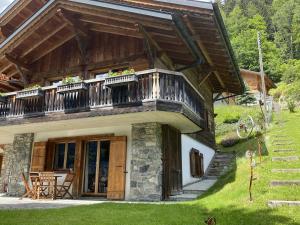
x=172, y=162
x=117, y=169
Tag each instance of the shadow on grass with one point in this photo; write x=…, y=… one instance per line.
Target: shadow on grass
x=144, y=214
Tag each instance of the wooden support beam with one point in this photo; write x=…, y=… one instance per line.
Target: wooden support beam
x=163, y=56
x=204, y=78
x=24, y=76
x=17, y=62
x=203, y=49
x=2, y=69
x=73, y=22
x=40, y=42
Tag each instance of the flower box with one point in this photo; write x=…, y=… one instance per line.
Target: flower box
x=120, y=80
x=79, y=86
x=30, y=93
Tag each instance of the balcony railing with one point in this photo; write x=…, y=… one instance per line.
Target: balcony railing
x=147, y=86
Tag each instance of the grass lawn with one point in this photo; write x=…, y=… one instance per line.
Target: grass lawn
x=227, y=201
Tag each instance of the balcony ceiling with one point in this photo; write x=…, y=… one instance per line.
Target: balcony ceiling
x=182, y=35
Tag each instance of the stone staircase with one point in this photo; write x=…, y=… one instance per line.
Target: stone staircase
x=218, y=166
x=279, y=142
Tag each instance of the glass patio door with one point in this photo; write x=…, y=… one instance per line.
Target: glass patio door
x=96, y=167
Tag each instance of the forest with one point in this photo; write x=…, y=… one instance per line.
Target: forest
x=278, y=22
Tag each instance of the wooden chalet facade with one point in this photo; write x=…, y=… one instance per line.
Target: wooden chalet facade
x=148, y=71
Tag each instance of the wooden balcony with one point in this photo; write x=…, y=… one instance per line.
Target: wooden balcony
x=151, y=90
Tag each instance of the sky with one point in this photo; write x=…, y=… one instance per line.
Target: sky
x=5, y=3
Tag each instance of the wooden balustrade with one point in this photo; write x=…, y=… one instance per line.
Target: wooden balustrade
x=147, y=87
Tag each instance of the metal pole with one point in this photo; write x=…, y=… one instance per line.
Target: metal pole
x=262, y=76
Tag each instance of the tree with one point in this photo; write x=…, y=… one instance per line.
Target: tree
x=243, y=34
x=246, y=98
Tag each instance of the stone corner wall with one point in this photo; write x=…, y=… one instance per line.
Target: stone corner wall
x=146, y=163
x=16, y=160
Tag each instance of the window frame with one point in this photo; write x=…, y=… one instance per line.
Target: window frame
x=66, y=150
x=196, y=163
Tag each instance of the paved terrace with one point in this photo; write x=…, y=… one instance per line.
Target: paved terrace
x=26, y=203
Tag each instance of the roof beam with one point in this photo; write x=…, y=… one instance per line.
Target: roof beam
x=74, y=23
x=23, y=75
x=163, y=56
x=17, y=62
x=202, y=47
x=42, y=40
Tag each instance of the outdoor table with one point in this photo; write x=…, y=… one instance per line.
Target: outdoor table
x=35, y=179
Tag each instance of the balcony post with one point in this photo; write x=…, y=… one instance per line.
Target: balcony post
x=156, y=86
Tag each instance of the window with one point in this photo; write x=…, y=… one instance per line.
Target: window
x=64, y=156
x=196, y=163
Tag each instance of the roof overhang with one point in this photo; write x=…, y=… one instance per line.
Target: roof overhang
x=190, y=27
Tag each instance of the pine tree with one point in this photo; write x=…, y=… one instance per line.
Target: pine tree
x=246, y=98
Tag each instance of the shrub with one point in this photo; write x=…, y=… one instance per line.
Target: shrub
x=229, y=141
x=291, y=106
x=231, y=120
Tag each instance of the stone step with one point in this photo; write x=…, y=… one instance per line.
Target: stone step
x=278, y=203
x=284, y=182
x=284, y=150
x=183, y=197
x=196, y=192
x=281, y=144
x=286, y=170
x=285, y=158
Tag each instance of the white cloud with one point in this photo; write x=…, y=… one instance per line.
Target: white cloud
x=4, y=4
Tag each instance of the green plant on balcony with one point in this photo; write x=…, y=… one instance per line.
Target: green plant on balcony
x=122, y=73
x=32, y=87
x=71, y=80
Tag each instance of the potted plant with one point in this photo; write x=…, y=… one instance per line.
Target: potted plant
x=2, y=98
x=71, y=84
x=30, y=92
x=120, y=78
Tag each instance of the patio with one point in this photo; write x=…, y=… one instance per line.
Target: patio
x=27, y=203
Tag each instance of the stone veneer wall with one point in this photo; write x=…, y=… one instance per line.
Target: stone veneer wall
x=17, y=159
x=146, y=163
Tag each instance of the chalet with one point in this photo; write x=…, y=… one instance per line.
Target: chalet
x=118, y=91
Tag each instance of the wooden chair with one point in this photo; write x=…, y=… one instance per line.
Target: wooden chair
x=29, y=191
x=64, y=189
x=46, y=187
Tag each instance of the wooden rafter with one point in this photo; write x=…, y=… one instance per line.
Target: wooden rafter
x=53, y=47
x=23, y=75
x=74, y=23
x=163, y=56
x=17, y=62
x=202, y=47
x=42, y=40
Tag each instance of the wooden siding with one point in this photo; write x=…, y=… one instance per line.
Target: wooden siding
x=38, y=159
x=104, y=48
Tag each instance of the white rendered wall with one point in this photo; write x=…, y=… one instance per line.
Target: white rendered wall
x=187, y=143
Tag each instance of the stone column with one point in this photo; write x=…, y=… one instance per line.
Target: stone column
x=17, y=159
x=146, y=163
